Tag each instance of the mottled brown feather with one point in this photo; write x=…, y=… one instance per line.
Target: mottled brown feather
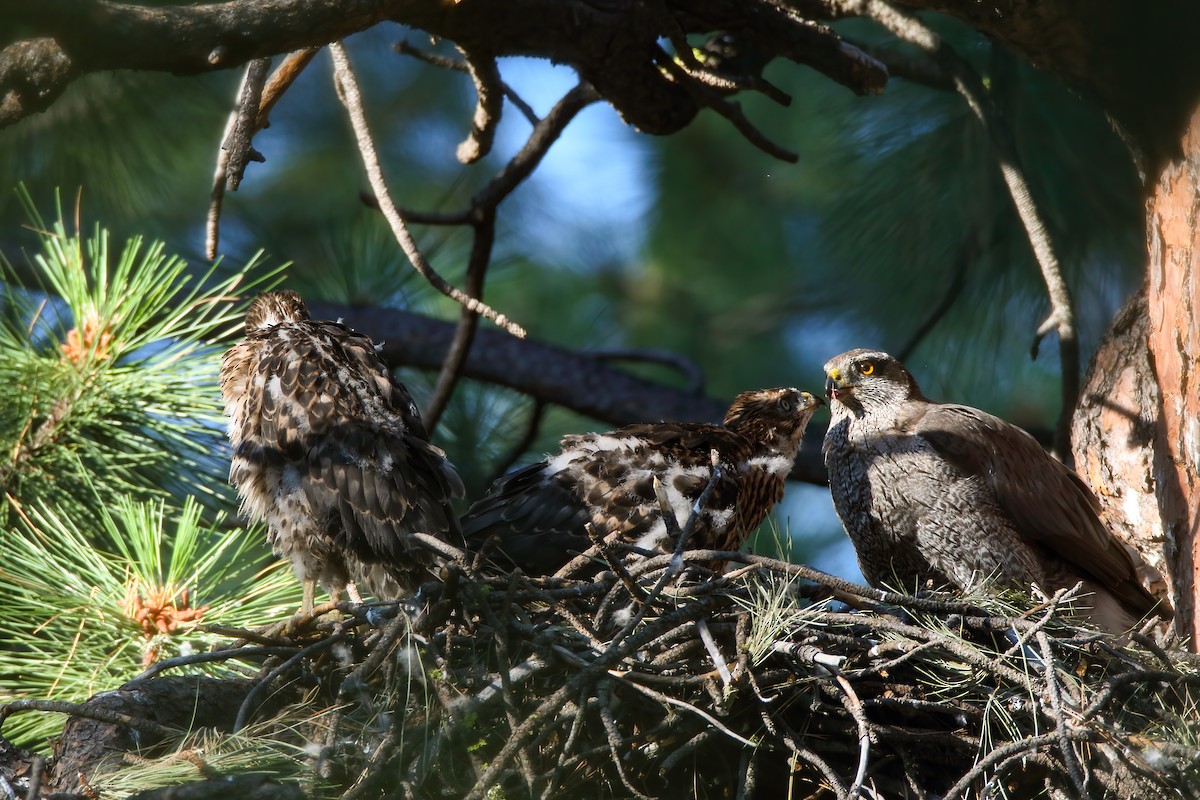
x=540, y=512
x=330, y=451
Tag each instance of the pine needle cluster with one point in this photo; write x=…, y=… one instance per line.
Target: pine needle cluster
x=116, y=548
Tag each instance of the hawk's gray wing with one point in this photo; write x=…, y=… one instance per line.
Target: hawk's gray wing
x=1048, y=503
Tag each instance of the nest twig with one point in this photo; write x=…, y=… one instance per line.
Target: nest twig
x=514, y=684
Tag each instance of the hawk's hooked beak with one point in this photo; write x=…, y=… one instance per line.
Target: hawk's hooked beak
x=835, y=389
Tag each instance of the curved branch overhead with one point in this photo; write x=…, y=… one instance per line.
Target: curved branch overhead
x=1136, y=61
x=582, y=382
x=612, y=44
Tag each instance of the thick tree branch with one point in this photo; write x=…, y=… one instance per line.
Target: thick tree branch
x=32, y=76
x=1141, y=67
x=611, y=45
x=579, y=381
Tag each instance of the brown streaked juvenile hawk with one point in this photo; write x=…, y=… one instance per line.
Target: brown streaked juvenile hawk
x=540, y=512
x=953, y=495
x=329, y=450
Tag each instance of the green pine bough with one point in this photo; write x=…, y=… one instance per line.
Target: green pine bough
x=114, y=505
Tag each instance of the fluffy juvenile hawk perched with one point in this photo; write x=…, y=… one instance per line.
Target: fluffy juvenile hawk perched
x=953, y=495
x=541, y=512
x=329, y=450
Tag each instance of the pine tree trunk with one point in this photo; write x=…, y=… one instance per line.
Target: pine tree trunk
x=1116, y=445
x=1137, y=428
x=1173, y=297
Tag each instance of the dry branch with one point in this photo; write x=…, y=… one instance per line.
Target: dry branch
x=240, y=130
x=968, y=83
x=351, y=97
x=482, y=218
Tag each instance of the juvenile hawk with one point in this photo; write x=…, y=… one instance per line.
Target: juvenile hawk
x=540, y=512
x=953, y=495
x=329, y=450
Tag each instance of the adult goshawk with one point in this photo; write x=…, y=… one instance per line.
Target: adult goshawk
x=329, y=450
x=948, y=494
x=541, y=512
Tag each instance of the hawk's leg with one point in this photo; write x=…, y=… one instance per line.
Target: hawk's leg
x=352, y=591
x=310, y=590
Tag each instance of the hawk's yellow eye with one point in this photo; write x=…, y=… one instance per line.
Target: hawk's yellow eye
x=867, y=369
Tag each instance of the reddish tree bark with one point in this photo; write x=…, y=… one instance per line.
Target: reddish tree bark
x=1173, y=296
x=1137, y=428
x=1117, y=448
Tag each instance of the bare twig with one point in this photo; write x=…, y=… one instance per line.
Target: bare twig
x=533, y=425
x=490, y=101
x=35, y=778
x=279, y=82
x=823, y=767
x=239, y=143
x=616, y=744
x=468, y=321
x=351, y=97
x=482, y=213
x=601, y=544
x=89, y=712
x=404, y=48
x=686, y=749
x=215, y=655
x=236, y=150
x=714, y=652
x=854, y=706
x=373, y=772
x=708, y=97
x=1001, y=753
x=544, y=134
x=264, y=683
x=212, y=222
x=672, y=701
x=950, y=294
x=567, y=749
x=675, y=565
x=700, y=71
x=1070, y=759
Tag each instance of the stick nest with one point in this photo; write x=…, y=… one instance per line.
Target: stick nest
x=666, y=679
